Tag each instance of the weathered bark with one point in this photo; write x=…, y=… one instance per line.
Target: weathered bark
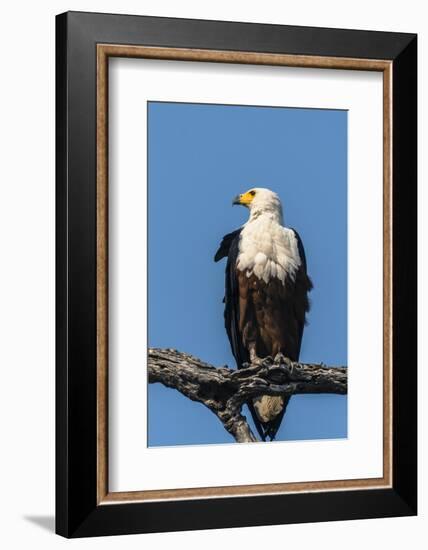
x=224, y=391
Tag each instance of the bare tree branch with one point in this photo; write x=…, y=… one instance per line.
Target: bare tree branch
x=224, y=391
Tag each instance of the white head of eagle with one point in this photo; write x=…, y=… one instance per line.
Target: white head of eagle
x=266, y=294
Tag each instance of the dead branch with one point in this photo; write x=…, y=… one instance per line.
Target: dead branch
x=224, y=391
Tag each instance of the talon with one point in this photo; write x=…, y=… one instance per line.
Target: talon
x=280, y=359
x=267, y=361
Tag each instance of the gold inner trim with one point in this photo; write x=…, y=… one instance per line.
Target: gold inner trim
x=104, y=51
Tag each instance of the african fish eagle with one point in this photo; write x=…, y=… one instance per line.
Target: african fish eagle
x=266, y=295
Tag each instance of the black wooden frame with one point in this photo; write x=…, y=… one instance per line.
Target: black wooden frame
x=77, y=513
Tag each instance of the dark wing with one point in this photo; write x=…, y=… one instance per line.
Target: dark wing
x=224, y=248
x=229, y=247
x=303, y=285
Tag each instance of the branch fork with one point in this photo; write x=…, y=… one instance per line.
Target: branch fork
x=224, y=391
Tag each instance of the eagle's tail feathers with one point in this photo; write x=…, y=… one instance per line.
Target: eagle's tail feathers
x=271, y=428
x=259, y=426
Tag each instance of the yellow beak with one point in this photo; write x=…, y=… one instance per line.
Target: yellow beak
x=244, y=199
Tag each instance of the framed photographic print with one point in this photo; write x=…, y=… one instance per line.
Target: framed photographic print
x=236, y=274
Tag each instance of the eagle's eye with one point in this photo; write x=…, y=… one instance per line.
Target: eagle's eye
x=252, y=193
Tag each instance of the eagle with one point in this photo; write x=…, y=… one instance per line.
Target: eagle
x=266, y=295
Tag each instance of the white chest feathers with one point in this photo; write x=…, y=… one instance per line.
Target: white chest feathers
x=268, y=250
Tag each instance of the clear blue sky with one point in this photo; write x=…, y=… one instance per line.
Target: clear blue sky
x=199, y=158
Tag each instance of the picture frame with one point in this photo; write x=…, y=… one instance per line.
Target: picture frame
x=84, y=44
